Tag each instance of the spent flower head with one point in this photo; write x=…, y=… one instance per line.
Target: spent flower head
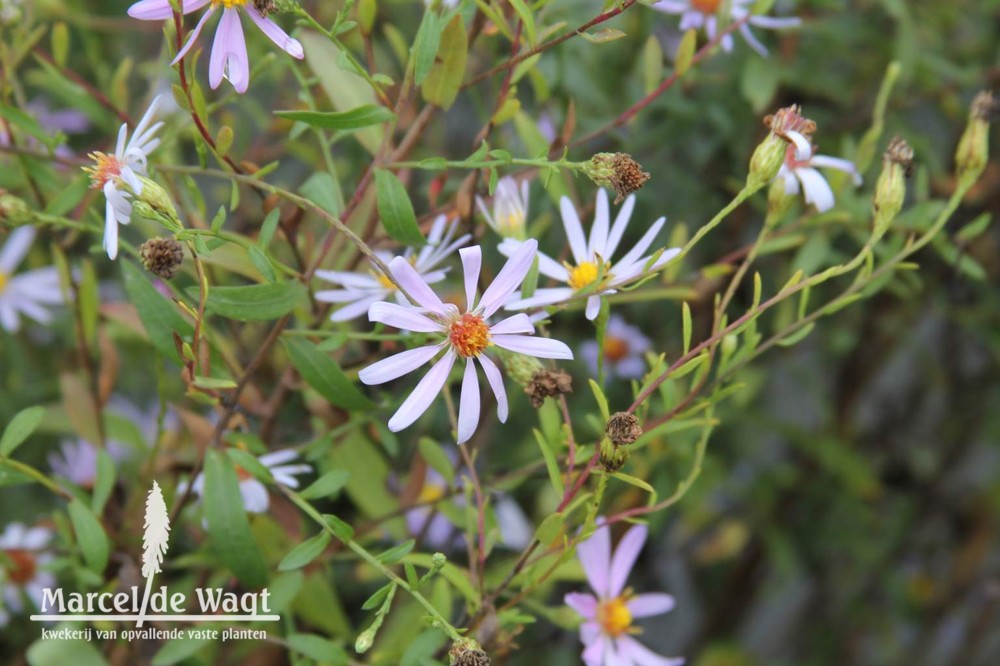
x=619, y=171
x=229, y=58
x=460, y=335
x=592, y=266
x=890, y=190
x=608, y=614
x=120, y=174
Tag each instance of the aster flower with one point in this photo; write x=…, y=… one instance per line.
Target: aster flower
x=623, y=348
x=30, y=292
x=815, y=189
x=229, y=58
x=592, y=259
x=69, y=121
x=464, y=335
x=77, y=460
x=360, y=290
x=20, y=568
x=510, y=208
x=607, y=628
x=119, y=175
x=253, y=492
x=704, y=13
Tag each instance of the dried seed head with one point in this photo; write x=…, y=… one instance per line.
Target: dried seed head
x=546, y=384
x=623, y=428
x=617, y=171
x=899, y=152
x=467, y=652
x=984, y=105
x=162, y=256
x=265, y=7
x=788, y=126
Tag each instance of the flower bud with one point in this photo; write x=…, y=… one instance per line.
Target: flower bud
x=623, y=428
x=788, y=127
x=613, y=457
x=547, y=384
x=364, y=641
x=890, y=191
x=438, y=560
x=162, y=256
x=519, y=367
x=467, y=652
x=973, y=148
x=13, y=210
x=616, y=170
x=159, y=201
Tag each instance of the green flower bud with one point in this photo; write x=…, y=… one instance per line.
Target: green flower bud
x=890, y=190
x=615, y=170
x=14, y=212
x=159, y=201
x=973, y=148
x=365, y=640
x=613, y=457
x=519, y=367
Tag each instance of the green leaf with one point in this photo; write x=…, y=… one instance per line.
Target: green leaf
x=257, y=302
x=251, y=464
x=445, y=78
x=60, y=653
x=685, y=51
x=341, y=530
x=602, y=402
x=228, y=527
x=397, y=553
x=425, y=46
x=327, y=486
x=323, y=374
x=305, y=552
x=550, y=528
x=358, y=117
x=652, y=64
x=395, y=209
x=20, y=428
x=89, y=535
x=318, y=648
x=262, y=263
x=434, y=455
x=159, y=316
x=178, y=649
x=686, y=325
x=104, y=482
x=526, y=19
x=268, y=227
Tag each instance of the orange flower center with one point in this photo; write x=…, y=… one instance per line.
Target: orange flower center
x=469, y=335
x=615, y=349
x=106, y=167
x=614, y=616
x=22, y=566
x=707, y=7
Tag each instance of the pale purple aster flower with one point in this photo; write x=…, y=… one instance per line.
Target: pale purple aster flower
x=20, y=570
x=624, y=346
x=607, y=628
x=69, y=121
x=815, y=189
x=76, y=460
x=252, y=491
x=360, y=290
x=28, y=293
x=704, y=14
x=510, y=208
x=465, y=335
x=592, y=258
x=229, y=58
x=118, y=175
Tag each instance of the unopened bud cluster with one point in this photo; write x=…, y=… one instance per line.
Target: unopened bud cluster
x=616, y=170
x=621, y=430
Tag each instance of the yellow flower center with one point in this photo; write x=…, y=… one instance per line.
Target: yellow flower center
x=3, y=281
x=23, y=566
x=514, y=222
x=431, y=492
x=106, y=167
x=615, y=349
x=385, y=281
x=585, y=274
x=707, y=7
x=228, y=4
x=469, y=335
x=614, y=616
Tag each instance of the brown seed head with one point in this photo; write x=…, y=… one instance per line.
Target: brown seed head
x=623, y=428
x=984, y=105
x=899, y=152
x=617, y=171
x=546, y=384
x=162, y=256
x=467, y=652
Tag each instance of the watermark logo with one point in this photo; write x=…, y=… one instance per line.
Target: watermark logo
x=213, y=604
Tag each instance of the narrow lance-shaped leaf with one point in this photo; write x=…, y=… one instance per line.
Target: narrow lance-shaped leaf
x=445, y=79
x=395, y=209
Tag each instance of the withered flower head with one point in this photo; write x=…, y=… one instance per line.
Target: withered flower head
x=467, y=652
x=890, y=190
x=618, y=171
x=546, y=384
x=623, y=428
x=899, y=152
x=162, y=256
x=788, y=126
x=974, y=146
x=984, y=105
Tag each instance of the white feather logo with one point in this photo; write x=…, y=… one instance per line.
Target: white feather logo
x=154, y=541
